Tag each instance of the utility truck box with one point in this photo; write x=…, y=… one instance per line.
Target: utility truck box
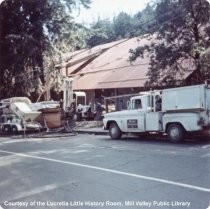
x=176, y=112
x=185, y=98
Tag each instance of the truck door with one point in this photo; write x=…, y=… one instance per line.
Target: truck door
x=135, y=120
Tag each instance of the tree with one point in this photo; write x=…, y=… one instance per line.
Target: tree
x=22, y=44
x=122, y=25
x=100, y=32
x=66, y=35
x=143, y=21
x=182, y=41
x=29, y=32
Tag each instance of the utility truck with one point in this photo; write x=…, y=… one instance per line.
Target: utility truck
x=175, y=112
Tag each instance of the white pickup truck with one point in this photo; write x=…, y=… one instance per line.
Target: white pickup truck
x=175, y=111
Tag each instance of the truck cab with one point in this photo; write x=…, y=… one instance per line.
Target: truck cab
x=140, y=110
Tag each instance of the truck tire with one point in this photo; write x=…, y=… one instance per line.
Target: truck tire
x=14, y=129
x=175, y=133
x=114, y=131
x=6, y=129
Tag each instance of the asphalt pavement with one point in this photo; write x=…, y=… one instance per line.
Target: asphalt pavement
x=93, y=171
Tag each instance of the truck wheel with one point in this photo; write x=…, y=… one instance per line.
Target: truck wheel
x=6, y=129
x=14, y=129
x=114, y=131
x=175, y=133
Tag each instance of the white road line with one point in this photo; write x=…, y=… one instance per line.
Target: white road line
x=203, y=189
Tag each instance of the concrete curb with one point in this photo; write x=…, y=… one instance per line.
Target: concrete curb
x=89, y=131
x=75, y=131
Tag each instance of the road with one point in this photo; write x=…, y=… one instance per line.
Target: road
x=88, y=171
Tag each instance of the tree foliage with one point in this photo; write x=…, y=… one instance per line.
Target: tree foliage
x=100, y=32
x=30, y=30
x=182, y=30
x=121, y=26
x=143, y=21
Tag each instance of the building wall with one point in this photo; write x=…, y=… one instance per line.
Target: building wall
x=119, y=103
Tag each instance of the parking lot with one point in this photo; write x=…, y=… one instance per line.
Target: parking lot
x=88, y=171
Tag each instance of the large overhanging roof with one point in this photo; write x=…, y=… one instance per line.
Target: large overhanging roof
x=110, y=68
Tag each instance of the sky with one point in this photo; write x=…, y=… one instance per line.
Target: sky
x=109, y=9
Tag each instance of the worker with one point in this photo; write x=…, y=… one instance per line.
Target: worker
x=158, y=103
x=99, y=110
x=138, y=104
x=73, y=106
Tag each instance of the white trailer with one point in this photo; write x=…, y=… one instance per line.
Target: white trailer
x=83, y=110
x=76, y=102
x=17, y=116
x=175, y=111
